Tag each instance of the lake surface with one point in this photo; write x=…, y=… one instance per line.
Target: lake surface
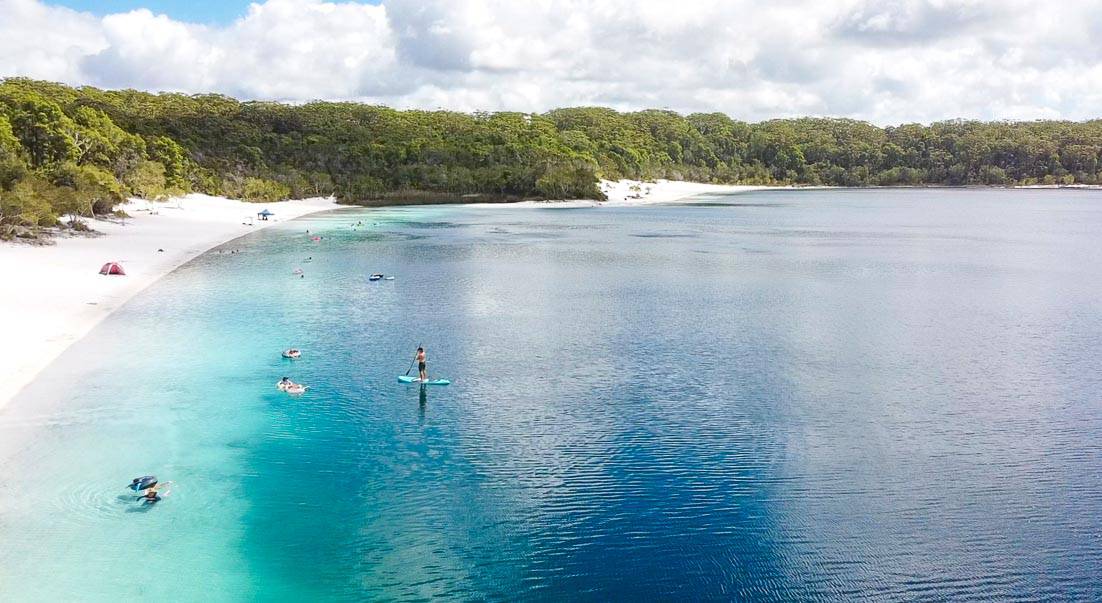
x=813, y=395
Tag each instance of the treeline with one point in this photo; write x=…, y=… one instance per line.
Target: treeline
x=77, y=151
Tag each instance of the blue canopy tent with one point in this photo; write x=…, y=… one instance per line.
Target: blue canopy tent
x=263, y=215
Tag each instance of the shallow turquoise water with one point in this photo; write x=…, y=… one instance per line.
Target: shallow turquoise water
x=810, y=394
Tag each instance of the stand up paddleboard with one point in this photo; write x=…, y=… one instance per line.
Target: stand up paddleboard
x=405, y=379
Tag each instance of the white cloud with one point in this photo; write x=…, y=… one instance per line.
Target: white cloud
x=887, y=61
x=144, y=50
x=45, y=42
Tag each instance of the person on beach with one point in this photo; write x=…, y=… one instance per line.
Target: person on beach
x=421, y=364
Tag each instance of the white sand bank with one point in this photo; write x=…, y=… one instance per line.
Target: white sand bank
x=628, y=193
x=52, y=296
x=1091, y=187
x=634, y=192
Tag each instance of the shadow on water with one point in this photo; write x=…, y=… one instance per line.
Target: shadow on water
x=423, y=400
x=140, y=507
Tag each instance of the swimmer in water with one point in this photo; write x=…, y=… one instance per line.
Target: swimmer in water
x=151, y=495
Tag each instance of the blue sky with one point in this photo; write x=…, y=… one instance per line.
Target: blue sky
x=193, y=11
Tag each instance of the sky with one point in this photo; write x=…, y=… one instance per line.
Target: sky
x=210, y=12
x=885, y=61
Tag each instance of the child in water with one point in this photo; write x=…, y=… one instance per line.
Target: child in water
x=151, y=496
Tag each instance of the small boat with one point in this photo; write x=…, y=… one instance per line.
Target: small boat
x=315, y=239
x=296, y=271
x=389, y=278
x=292, y=353
x=375, y=277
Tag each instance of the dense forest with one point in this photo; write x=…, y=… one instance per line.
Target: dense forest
x=78, y=151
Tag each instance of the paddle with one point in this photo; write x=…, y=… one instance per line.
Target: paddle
x=412, y=361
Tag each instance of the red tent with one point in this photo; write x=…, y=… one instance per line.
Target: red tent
x=112, y=268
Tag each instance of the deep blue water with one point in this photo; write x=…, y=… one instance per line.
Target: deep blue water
x=814, y=395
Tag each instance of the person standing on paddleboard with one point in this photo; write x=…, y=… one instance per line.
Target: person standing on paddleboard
x=421, y=364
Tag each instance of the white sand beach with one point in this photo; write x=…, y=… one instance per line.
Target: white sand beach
x=636, y=192
x=54, y=295
x=628, y=193
x=1089, y=187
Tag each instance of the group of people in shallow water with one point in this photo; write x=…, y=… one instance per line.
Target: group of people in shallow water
x=151, y=490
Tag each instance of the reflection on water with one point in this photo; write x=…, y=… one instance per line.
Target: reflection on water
x=772, y=396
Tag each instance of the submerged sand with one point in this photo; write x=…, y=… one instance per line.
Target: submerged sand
x=54, y=295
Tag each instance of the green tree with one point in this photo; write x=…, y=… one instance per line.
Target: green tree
x=261, y=190
x=87, y=190
x=12, y=167
x=28, y=203
x=148, y=181
x=174, y=159
x=100, y=142
x=264, y=150
x=41, y=127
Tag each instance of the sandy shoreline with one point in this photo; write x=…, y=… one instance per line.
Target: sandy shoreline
x=54, y=295
x=630, y=193
x=635, y=192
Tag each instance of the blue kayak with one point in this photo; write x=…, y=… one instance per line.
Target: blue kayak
x=407, y=379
